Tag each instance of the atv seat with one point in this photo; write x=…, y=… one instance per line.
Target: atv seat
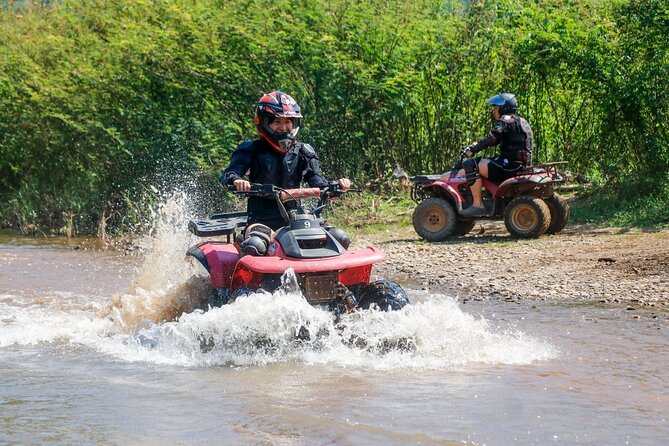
x=218, y=224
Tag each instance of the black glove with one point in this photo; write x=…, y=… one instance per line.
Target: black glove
x=465, y=150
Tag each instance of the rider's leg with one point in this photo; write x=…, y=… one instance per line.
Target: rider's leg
x=478, y=184
x=483, y=167
x=476, y=193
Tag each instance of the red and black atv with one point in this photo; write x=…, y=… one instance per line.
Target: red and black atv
x=527, y=202
x=327, y=273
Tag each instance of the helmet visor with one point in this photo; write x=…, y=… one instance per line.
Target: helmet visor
x=496, y=100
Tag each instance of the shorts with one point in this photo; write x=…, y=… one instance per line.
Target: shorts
x=501, y=168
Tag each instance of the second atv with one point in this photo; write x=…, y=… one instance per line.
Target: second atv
x=253, y=257
x=527, y=203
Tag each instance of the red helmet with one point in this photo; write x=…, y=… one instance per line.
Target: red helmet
x=277, y=105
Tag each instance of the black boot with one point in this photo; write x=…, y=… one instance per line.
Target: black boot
x=474, y=211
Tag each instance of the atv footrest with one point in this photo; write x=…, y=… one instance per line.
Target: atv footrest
x=218, y=224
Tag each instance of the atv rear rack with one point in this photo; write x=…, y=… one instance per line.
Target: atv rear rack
x=219, y=224
x=549, y=169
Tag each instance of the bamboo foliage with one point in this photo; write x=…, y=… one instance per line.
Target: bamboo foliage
x=101, y=99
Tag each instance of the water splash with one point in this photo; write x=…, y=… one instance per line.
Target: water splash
x=166, y=244
x=282, y=327
x=168, y=283
x=276, y=327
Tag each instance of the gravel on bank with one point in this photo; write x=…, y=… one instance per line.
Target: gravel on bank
x=608, y=265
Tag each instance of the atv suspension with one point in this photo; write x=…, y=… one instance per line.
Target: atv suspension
x=345, y=301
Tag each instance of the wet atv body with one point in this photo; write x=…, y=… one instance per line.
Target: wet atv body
x=527, y=203
x=327, y=272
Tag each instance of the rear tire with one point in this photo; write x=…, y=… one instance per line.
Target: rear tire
x=527, y=217
x=388, y=295
x=434, y=219
x=559, y=210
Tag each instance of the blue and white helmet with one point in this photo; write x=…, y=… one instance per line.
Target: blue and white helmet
x=506, y=102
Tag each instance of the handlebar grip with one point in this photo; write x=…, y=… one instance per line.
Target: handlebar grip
x=255, y=188
x=301, y=193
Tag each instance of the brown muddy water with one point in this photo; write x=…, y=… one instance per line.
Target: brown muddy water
x=99, y=347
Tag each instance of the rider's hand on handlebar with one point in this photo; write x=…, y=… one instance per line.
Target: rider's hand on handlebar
x=242, y=185
x=344, y=183
x=467, y=152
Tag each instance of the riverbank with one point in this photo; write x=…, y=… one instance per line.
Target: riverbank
x=582, y=263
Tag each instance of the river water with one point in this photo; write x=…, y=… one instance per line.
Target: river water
x=100, y=347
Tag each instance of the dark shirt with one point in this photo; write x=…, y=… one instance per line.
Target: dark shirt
x=264, y=165
x=514, y=136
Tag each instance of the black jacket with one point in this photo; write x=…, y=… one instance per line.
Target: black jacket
x=265, y=165
x=514, y=136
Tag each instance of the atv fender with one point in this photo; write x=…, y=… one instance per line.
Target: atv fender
x=219, y=259
x=352, y=267
x=525, y=183
x=277, y=265
x=440, y=189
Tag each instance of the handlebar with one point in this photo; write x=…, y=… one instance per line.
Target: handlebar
x=281, y=196
x=270, y=191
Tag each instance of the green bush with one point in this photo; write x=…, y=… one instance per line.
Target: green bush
x=101, y=100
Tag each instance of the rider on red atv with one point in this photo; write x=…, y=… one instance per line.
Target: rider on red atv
x=515, y=138
x=275, y=158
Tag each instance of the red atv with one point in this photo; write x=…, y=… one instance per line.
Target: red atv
x=527, y=203
x=327, y=273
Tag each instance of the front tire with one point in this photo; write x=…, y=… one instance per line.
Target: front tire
x=220, y=297
x=434, y=219
x=559, y=210
x=240, y=292
x=386, y=294
x=527, y=217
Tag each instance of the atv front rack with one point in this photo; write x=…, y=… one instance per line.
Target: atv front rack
x=417, y=192
x=426, y=178
x=219, y=224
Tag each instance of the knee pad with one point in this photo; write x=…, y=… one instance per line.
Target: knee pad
x=255, y=245
x=471, y=170
x=341, y=236
x=258, y=227
x=257, y=240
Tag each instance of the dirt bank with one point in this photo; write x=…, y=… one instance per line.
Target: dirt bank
x=614, y=265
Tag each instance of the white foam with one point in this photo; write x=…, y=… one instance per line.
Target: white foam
x=263, y=328
x=35, y=324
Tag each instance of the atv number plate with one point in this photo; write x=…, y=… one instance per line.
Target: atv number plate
x=320, y=288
